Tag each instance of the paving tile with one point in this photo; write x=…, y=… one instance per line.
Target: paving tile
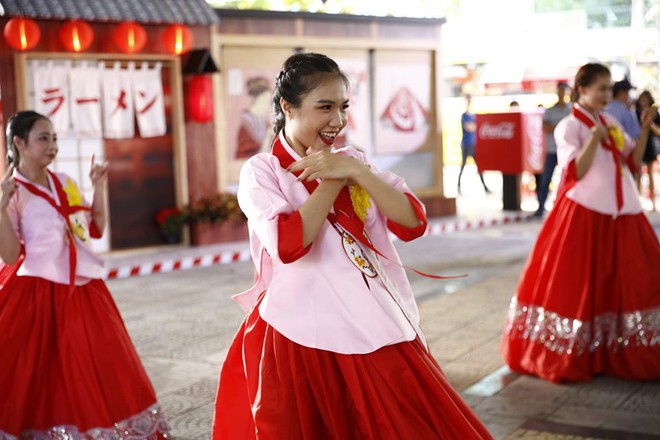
x=500, y=427
x=604, y=418
x=600, y=393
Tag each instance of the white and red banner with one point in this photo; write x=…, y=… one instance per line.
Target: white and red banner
x=118, y=110
x=149, y=101
x=86, y=100
x=51, y=93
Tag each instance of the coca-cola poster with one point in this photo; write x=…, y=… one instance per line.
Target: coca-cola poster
x=402, y=102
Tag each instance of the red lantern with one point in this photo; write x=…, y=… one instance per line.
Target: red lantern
x=130, y=37
x=22, y=33
x=200, y=98
x=76, y=36
x=177, y=39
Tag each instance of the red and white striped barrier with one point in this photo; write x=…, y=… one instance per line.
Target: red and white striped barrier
x=434, y=228
x=440, y=228
x=174, y=265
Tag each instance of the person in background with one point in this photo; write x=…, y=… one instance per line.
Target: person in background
x=468, y=141
x=620, y=108
x=588, y=300
x=551, y=118
x=330, y=347
x=645, y=100
x=69, y=369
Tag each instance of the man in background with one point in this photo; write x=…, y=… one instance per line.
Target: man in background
x=620, y=108
x=551, y=118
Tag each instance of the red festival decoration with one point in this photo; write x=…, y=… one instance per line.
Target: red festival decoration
x=200, y=98
x=130, y=37
x=22, y=33
x=177, y=39
x=76, y=36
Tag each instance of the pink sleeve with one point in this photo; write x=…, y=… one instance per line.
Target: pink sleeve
x=275, y=221
x=568, y=136
x=14, y=216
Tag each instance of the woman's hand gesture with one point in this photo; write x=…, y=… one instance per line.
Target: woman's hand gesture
x=327, y=165
x=98, y=173
x=599, y=132
x=648, y=116
x=8, y=187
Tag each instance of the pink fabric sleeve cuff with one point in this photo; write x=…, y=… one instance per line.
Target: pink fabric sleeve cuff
x=405, y=233
x=290, y=237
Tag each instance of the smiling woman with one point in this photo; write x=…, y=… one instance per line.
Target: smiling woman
x=331, y=345
x=59, y=321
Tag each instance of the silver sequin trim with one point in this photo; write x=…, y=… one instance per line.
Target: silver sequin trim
x=144, y=426
x=571, y=336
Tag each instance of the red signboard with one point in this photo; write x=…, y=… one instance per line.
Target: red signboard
x=510, y=142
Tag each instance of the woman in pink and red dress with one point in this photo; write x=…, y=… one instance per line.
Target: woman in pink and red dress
x=68, y=368
x=331, y=346
x=588, y=301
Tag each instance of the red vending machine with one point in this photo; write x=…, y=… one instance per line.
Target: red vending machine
x=510, y=142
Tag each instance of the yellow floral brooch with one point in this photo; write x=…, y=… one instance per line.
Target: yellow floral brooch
x=73, y=193
x=617, y=135
x=360, y=201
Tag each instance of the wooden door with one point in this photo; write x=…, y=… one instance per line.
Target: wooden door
x=141, y=182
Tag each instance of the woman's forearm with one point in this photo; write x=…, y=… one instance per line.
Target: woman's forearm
x=316, y=208
x=10, y=246
x=99, y=206
x=393, y=204
x=586, y=157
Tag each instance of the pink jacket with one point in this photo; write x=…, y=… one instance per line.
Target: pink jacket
x=321, y=299
x=596, y=190
x=41, y=229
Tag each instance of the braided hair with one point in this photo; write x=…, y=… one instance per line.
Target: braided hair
x=300, y=74
x=20, y=124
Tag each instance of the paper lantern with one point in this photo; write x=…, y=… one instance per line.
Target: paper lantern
x=22, y=33
x=177, y=39
x=130, y=37
x=200, y=98
x=76, y=36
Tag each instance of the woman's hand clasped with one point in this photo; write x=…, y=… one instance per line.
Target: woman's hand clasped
x=327, y=165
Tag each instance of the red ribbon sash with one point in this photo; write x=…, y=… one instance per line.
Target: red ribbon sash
x=609, y=144
x=344, y=214
x=65, y=210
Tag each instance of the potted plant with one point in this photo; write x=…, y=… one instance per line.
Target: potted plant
x=171, y=221
x=216, y=218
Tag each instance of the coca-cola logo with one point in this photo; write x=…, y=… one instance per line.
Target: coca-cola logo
x=501, y=130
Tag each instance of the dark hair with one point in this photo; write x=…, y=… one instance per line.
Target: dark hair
x=301, y=73
x=638, y=106
x=20, y=124
x=586, y=75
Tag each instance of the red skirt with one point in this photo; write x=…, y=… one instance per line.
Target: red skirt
x=68, y=365
x=588, y=301
x=273, y=388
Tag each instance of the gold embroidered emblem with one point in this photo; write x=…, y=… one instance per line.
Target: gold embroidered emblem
x=357, y=256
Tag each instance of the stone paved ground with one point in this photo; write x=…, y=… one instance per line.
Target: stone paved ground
x=183, y=322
